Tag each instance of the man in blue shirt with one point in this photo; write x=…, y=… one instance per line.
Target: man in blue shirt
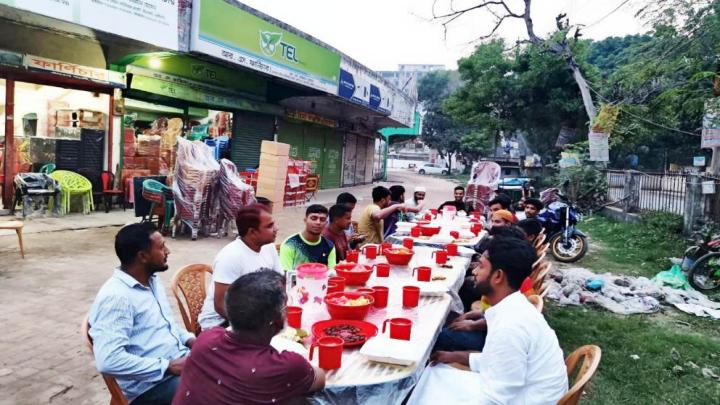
x=135, y=338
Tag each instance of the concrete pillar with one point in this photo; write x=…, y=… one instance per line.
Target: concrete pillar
x=631, y=192
x=694, y=204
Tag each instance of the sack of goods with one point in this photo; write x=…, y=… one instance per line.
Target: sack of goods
x=196, y=172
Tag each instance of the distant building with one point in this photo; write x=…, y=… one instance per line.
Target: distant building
x=407, y=77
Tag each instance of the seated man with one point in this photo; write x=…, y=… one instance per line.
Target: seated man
x=251, y=251
x=134, y=336
x=340, y=221
x=371, y=221
x=459, y=201
x=350, y=201
x=397, y=196
x=533, y=206
x=417, y=201
x=266, y=202
x=521, y=362
x=238, y=366
x=309, y=246
x=501, y=202
x=501, y=218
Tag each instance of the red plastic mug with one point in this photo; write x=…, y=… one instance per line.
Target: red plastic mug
x=381, y=296
x=423, y=273
x=366, y=290
x=411, y=296
x=415, y=232
x=408, y=243
x=434, y=211
x=384, y=246
x=330, y=348
x=428, y=217
x=294, y=317
x=339, y=281
x=452, y=249
x=399, y=328
x=440, y=256
x=476, y=228
x=455, y=234
x=370, y=251
x=333, y=288
x=352, y=256
x=382, y=270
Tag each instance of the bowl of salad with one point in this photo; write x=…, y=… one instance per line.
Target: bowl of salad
x=353, y=273
x=348, y=305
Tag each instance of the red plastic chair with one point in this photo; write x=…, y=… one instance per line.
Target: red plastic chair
x=108, y=184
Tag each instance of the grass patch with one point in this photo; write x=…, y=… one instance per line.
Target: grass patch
x=459, y=178
x=651, y=379
x=636, y=249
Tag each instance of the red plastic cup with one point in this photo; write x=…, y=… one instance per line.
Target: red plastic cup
x=452, y=249
x=408, y=242
x=411, y=296
x=455, y=234
x=336, y=284
x=381, y=296
x=476, y=228
x=330, y=348
x=384, y=246
x=365, y=290
x=440, y=256
x=423, y=273
x=370, y=251
x=399, y=328
x=415, y=232
x=352, y=256
x=333, y=288
x=294, y=317
x=382, y=270
x=434, y=211
x=428, y=217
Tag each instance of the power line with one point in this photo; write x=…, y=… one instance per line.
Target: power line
x=608, y=14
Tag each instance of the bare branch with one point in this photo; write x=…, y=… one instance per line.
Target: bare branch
x=488, y=3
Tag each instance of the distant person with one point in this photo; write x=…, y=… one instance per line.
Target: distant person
x=371, y=220
x=501, y=218
x=309, y=246
x=397, y=196
x=252, y=250
x=266, y=202
x=340, y=221
x=238, y=365
x=417, y=202
x=135, y=338
x=533, y=206
x=532, y=228
x=353, y=237
x=346, y=199
x=458, y=202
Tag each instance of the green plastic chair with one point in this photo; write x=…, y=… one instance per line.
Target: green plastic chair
x=159, y=194
x=48, y=168
x=72, y=184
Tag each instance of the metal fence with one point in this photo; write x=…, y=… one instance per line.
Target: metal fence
x=638, y=191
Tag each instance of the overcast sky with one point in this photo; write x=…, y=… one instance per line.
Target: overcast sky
x=384, y=33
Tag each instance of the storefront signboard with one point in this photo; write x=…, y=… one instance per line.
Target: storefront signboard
x=228, y=32
x=150, y=21
x=9, y=58
x=311, y=118
x=360, y=87
x=39, y=63
x=599, y=146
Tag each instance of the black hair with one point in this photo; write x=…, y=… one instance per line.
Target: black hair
x=530, y=226
x=396, y=192
x=509, y=231
x=255, y=299
x=131, y=240
x=380, y=192
x=264, y=201
x=346, y=198
x=513, y=256
x=316, y=209
x=501, y=199
x=338, y=211
x=535, y=202
x=459, y=188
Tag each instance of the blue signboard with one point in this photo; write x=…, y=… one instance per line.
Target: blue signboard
x=359, y=88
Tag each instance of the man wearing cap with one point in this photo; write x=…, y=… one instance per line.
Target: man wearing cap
x=502, y=218
x=417, y=202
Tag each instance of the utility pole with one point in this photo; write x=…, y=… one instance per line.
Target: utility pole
x=715, y=160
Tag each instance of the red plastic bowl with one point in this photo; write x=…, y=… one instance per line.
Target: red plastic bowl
x=398, y=259
x=429, y=230
x=345, y=270
x=338, y=311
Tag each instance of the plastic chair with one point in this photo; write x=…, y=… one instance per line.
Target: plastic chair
x=590, y=356
x=188, y=287
x=116, y=395
x=539, y=240
x=538, y=278
x=108, y=184
x=72, y=184
x=17, y=226
x=312, y=185
x=159, y=195
x=48, y=168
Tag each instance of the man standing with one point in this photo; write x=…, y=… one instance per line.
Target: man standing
x=135, y=338
x=238, y=366
x=521, y=362
x=459, y=201
x=309, y=246
x=397, y=196
x=533, y=206
x=371, y=220
x=417, y=201
x=340, y=219
x=251, y=251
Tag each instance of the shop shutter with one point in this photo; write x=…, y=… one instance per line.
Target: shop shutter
x=292, y=134
x=249, y=130
x=332, y=165
x=313, y=148
x=67, y=154
x=369, y=160
x=349, y=160
x=360, y=157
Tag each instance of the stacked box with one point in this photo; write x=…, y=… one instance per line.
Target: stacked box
x=272, y=173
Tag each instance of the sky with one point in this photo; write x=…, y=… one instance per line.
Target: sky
x=384, y=33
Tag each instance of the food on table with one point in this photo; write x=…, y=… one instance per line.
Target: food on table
x=438, y=278
x=349, y=302
x=400, y=251
x=296, y=335
x=348, y=333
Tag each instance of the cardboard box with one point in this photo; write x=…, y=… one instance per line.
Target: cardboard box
x=274, y=161
x=269, y=174
x=276, y=197
x=275, y=148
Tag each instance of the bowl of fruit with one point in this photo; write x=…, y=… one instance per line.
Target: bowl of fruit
x=429, y=230
x=399, y=256
x=348, y=305
x=353, y=273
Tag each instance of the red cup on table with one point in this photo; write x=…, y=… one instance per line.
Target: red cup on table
x=383, y=246
x=415, y=232
x=476, y=228
x=399, y=328
x=370, y=251
x=434, y=211
x=423, y=273
x=428, y=217
x=440, y=256
x=382, y=270
x=366, y=290
x=381, y=296
x=336, y=284
x=294, y=317
x=330, y=348
x=352, y=256
x=452, y=249
x=408, y=243
x=411, y=296
x=455, y=234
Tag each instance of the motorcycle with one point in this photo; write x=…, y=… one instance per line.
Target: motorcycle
x=567, y=243
x=703, y=261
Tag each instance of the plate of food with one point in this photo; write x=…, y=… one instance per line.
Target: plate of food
x=354, y=333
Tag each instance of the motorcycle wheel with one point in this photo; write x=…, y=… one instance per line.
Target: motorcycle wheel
x=571, y=252
x=704, y=275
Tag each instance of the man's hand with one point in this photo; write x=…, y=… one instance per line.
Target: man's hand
x=399, y=207
x=465, y=325
x=474, y=315
x=176, y=366
x=449, y=357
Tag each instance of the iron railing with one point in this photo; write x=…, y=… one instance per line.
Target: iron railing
x=639, y=191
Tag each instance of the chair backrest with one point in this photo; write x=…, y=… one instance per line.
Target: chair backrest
x=539, y=240
x=312, y=183
x=539, y=278
x=48, y=168
x=108, y=180
x=542, y=249
x=590, y=356
x=540, y=258
x=116, y=395
x=543, y=291
x=537, y=302
x=188, y=287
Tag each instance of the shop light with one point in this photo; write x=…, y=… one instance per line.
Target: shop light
x=155, y=63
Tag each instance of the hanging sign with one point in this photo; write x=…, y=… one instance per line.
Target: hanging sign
x=109, y=77
x=699, y=161
x=599, y=146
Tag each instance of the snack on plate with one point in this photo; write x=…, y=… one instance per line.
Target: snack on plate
x=345, y=301
x=348, y=333
x=296, y=335
x=438, y=278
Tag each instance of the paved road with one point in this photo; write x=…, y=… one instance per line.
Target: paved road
x=45, y=297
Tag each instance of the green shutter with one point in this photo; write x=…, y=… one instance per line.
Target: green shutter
x=249, y=130
x=332, y=166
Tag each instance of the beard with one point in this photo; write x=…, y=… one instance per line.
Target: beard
x=159, y=268
x=483, y=287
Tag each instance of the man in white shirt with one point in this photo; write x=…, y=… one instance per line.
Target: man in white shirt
x=417, y=202
x=253, y=250
x=521, y=363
